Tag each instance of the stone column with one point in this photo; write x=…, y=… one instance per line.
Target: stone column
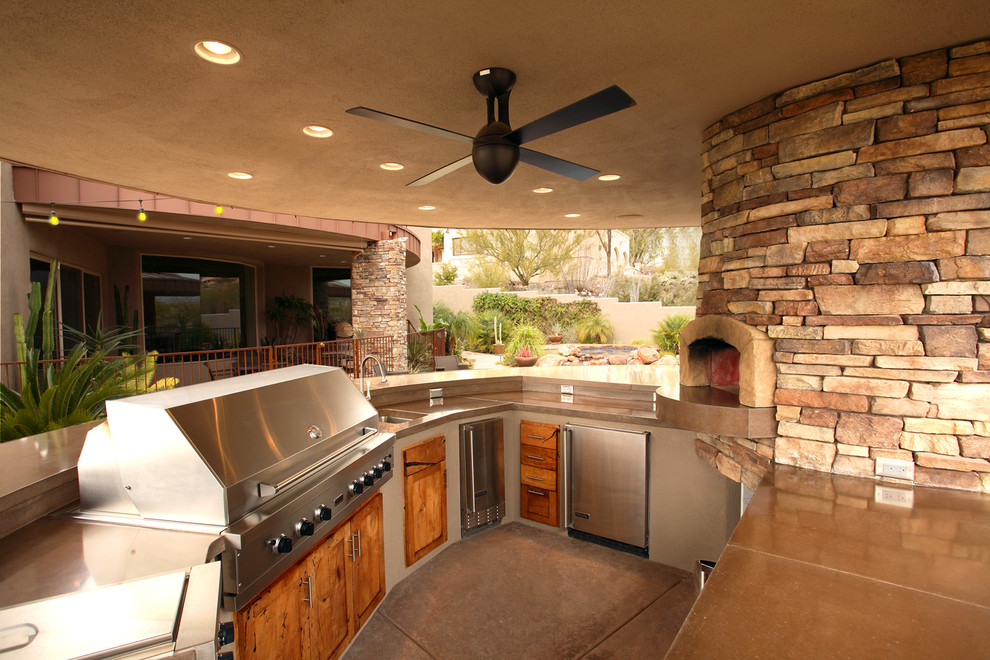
x=378, y=295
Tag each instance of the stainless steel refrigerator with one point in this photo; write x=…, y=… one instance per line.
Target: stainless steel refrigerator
x=607, y=486
x=482, y=473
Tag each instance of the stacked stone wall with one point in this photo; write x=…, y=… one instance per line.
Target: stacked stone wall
x=378, y=295
x=849, y=218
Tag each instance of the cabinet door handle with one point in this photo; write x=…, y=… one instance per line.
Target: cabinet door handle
x=536, y=478
x=536, y=458
x=351, y=541
x=536, y=437
x=309, y=585
x=536, y=492
x=359, y=543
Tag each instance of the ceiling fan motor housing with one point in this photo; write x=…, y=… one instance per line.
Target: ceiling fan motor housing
x=493, y=156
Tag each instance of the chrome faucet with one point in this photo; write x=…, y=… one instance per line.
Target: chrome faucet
x=367, y=388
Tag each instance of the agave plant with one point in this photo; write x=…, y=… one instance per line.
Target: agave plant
x=76, y=391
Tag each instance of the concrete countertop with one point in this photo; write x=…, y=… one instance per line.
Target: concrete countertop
x=821, y=566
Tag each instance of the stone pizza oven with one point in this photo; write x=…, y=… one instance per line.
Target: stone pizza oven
x=720, y=351
x=846, y=223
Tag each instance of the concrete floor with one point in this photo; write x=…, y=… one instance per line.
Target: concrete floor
x=516, y=591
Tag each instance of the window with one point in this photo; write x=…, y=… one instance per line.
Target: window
x=193, y=304
x=77, y=302
x=331, y=298
x=459, y=248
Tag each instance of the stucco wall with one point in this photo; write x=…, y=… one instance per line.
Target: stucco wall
x=849, y=218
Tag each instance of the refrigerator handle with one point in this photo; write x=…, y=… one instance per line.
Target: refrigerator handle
x=566, y=450
x=474, y=503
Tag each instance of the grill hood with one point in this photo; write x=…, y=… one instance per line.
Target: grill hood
x=212, y=453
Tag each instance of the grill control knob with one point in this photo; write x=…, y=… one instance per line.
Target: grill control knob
x=377, y=472
x=357, y=487
x=305, y=528
x=323, y=512
x=368, y=479
x=281, y=545
x=386, y=466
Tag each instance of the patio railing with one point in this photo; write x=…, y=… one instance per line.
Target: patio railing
x=192, y=367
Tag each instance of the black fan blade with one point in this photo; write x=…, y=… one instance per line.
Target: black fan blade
x=556, y=165
x=605, y=102
x=443, y=171
x=408, y=123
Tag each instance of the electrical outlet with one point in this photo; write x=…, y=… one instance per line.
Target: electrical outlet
x=567, y=398
x=436, y=393
x=891, y=467
x=894, y=496
x=567, y=389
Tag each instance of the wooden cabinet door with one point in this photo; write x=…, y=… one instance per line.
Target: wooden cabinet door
x=327, y=607
x=533, y=476
x=539, y=434
x=539, y=504
x=424, y=495
x=270, y=627
x=367, y=559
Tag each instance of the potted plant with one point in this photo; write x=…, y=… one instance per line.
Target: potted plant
x=526, y=342
x=556, y=333
x=497, y=347
x=525, y=358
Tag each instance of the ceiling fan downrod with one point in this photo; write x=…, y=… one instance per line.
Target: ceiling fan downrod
x=494, y=157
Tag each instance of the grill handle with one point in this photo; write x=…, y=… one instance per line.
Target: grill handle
x=267, y=490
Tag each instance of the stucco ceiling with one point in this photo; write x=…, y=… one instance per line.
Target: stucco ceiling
x=112, y=91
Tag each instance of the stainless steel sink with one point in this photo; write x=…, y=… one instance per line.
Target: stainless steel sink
x=394, y=419
x=397, y=416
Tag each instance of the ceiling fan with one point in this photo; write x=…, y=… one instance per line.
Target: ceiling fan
x=496, y=148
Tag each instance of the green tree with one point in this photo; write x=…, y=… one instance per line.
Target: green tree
x=527, y=253
x=668, y=248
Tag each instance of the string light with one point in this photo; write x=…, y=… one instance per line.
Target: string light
x=218, y=209
x=53, y=219
x=142, y=216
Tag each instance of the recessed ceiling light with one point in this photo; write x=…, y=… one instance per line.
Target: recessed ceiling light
x=427, y=207
x=187, y=238
x=323, y=256
x=271, y=246
x=217, y=52
x=542, y=191
x=572, y=215
x=317, y=131
x=609, y=177
x=392, y=166
x=240, y=175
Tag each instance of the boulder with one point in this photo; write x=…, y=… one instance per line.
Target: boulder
x=647, y=354
x=343, y=329
x=617, y=359
x=552, y=360
x=668, y=360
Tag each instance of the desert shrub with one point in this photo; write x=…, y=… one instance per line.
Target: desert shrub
x=487, y=274
x=667, y=335
x=461, y=327
x=595, y=330
x=544, y=312
x=444, y=274
x=669, y=289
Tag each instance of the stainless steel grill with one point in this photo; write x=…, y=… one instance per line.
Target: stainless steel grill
x=271, y=461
